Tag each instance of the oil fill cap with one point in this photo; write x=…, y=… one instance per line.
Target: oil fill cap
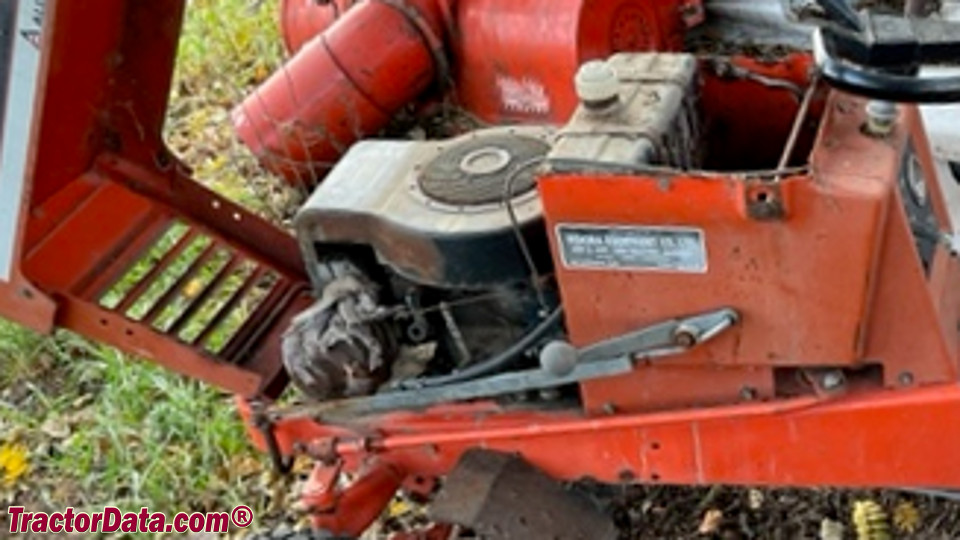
x=597, y=84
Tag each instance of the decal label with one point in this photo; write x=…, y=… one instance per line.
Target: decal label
x=524, y=95
x=665, y=249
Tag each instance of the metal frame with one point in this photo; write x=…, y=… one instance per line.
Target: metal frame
x=102, y=189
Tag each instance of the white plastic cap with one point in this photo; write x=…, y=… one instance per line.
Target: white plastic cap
x=596, y=82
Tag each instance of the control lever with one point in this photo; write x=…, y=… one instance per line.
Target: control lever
x=879, y=56
x=565, y=365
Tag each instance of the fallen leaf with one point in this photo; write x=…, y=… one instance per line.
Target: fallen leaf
x=830, y=529
x=906, y=517
x=245, y=465
x=870, y=521
x=710, y=522
x=398, y=507
x=13, y=462
x=81, y=401
x=193, y=288
x=302, y=465
x=82, y=416
x=55, y=427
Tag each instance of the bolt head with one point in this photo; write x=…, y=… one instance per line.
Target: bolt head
x=685, y=339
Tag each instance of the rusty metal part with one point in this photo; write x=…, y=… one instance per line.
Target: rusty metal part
x=501, y=496
x=330, y=352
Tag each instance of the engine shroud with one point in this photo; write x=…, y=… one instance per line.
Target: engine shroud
x=433, y=212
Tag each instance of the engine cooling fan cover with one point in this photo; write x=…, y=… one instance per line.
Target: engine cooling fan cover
x=475, y=171
x=431, y=210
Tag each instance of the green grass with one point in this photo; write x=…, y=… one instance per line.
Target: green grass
x=227, y=49
x=103, y=428
x=106, y=429
x=162, y=440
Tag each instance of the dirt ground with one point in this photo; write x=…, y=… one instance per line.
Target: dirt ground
x=777, y=514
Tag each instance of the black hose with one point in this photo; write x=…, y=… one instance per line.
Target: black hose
x=492, y=365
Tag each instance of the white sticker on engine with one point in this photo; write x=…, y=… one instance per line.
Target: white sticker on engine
x=607, y=247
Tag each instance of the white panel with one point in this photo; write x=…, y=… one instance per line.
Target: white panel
x=25, y=62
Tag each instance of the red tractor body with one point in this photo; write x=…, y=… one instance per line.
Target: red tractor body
x=812, y=333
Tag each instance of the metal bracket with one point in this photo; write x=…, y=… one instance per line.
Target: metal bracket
x=281, y=464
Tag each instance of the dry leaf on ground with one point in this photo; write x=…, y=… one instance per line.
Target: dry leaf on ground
x=711, y=521
x=831, y=530
x=906, y=517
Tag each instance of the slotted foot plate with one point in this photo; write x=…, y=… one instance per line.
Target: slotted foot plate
x=501, y=496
